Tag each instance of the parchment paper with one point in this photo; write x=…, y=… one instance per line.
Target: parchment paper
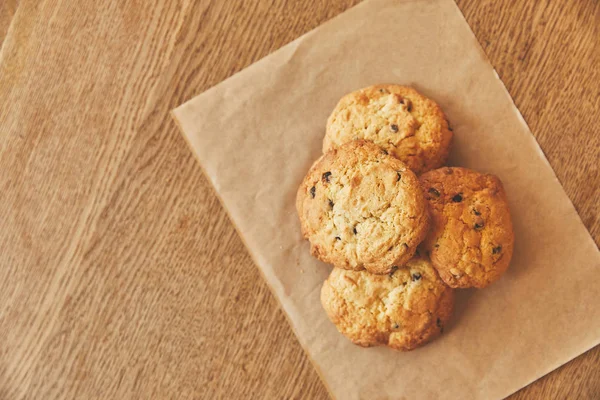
x=257, y=133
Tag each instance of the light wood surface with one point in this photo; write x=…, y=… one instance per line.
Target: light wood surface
x=121, y=275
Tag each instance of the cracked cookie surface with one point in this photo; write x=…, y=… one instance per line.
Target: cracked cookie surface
x=471, y=238
x=362, y=209
x=402, y=310
x=400, y=120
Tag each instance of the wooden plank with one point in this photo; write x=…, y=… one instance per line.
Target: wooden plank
x=8, y=8
x=123, y=277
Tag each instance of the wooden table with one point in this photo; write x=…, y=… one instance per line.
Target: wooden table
x=121, y=275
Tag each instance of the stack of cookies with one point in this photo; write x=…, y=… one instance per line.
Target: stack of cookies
x=401, y=230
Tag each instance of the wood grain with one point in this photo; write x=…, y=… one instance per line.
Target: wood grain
x=122, y=276
x=8, y=8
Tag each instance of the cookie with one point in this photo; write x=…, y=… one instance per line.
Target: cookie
x=402, y=310
x=471, y=239
x=362, y=209
x=400, y=120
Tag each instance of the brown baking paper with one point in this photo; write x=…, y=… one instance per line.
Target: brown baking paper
x=257, y=133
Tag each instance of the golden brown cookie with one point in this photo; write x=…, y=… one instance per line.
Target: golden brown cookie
x=400, y=120
x=362, y=209
x=471, y=238
x=402, y=310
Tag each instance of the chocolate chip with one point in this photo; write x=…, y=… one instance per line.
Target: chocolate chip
x=409, y=108
x=436, y=245
x=401, y=101
x=396, y=326
x=326, y=176
x=384, y=152
x=478, y=226
x=338, y=238
x=476, y=212
x=416, y=276
x=434, y=192
x=330, y=203
x=313, y=191
x=399, y=176
x=438, y=323
x=354, y=230
x=496, y=249
x=457, y=198
x=394, y=269
x=394, y=127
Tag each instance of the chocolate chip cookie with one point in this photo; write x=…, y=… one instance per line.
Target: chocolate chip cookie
x=400, y=120
x=402, y=310
x=471, y=239
x=362, y=209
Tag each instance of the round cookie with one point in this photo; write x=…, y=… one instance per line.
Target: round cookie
x=400, y=120
x=471, y=239
x=362, y=209
x=402, y=310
